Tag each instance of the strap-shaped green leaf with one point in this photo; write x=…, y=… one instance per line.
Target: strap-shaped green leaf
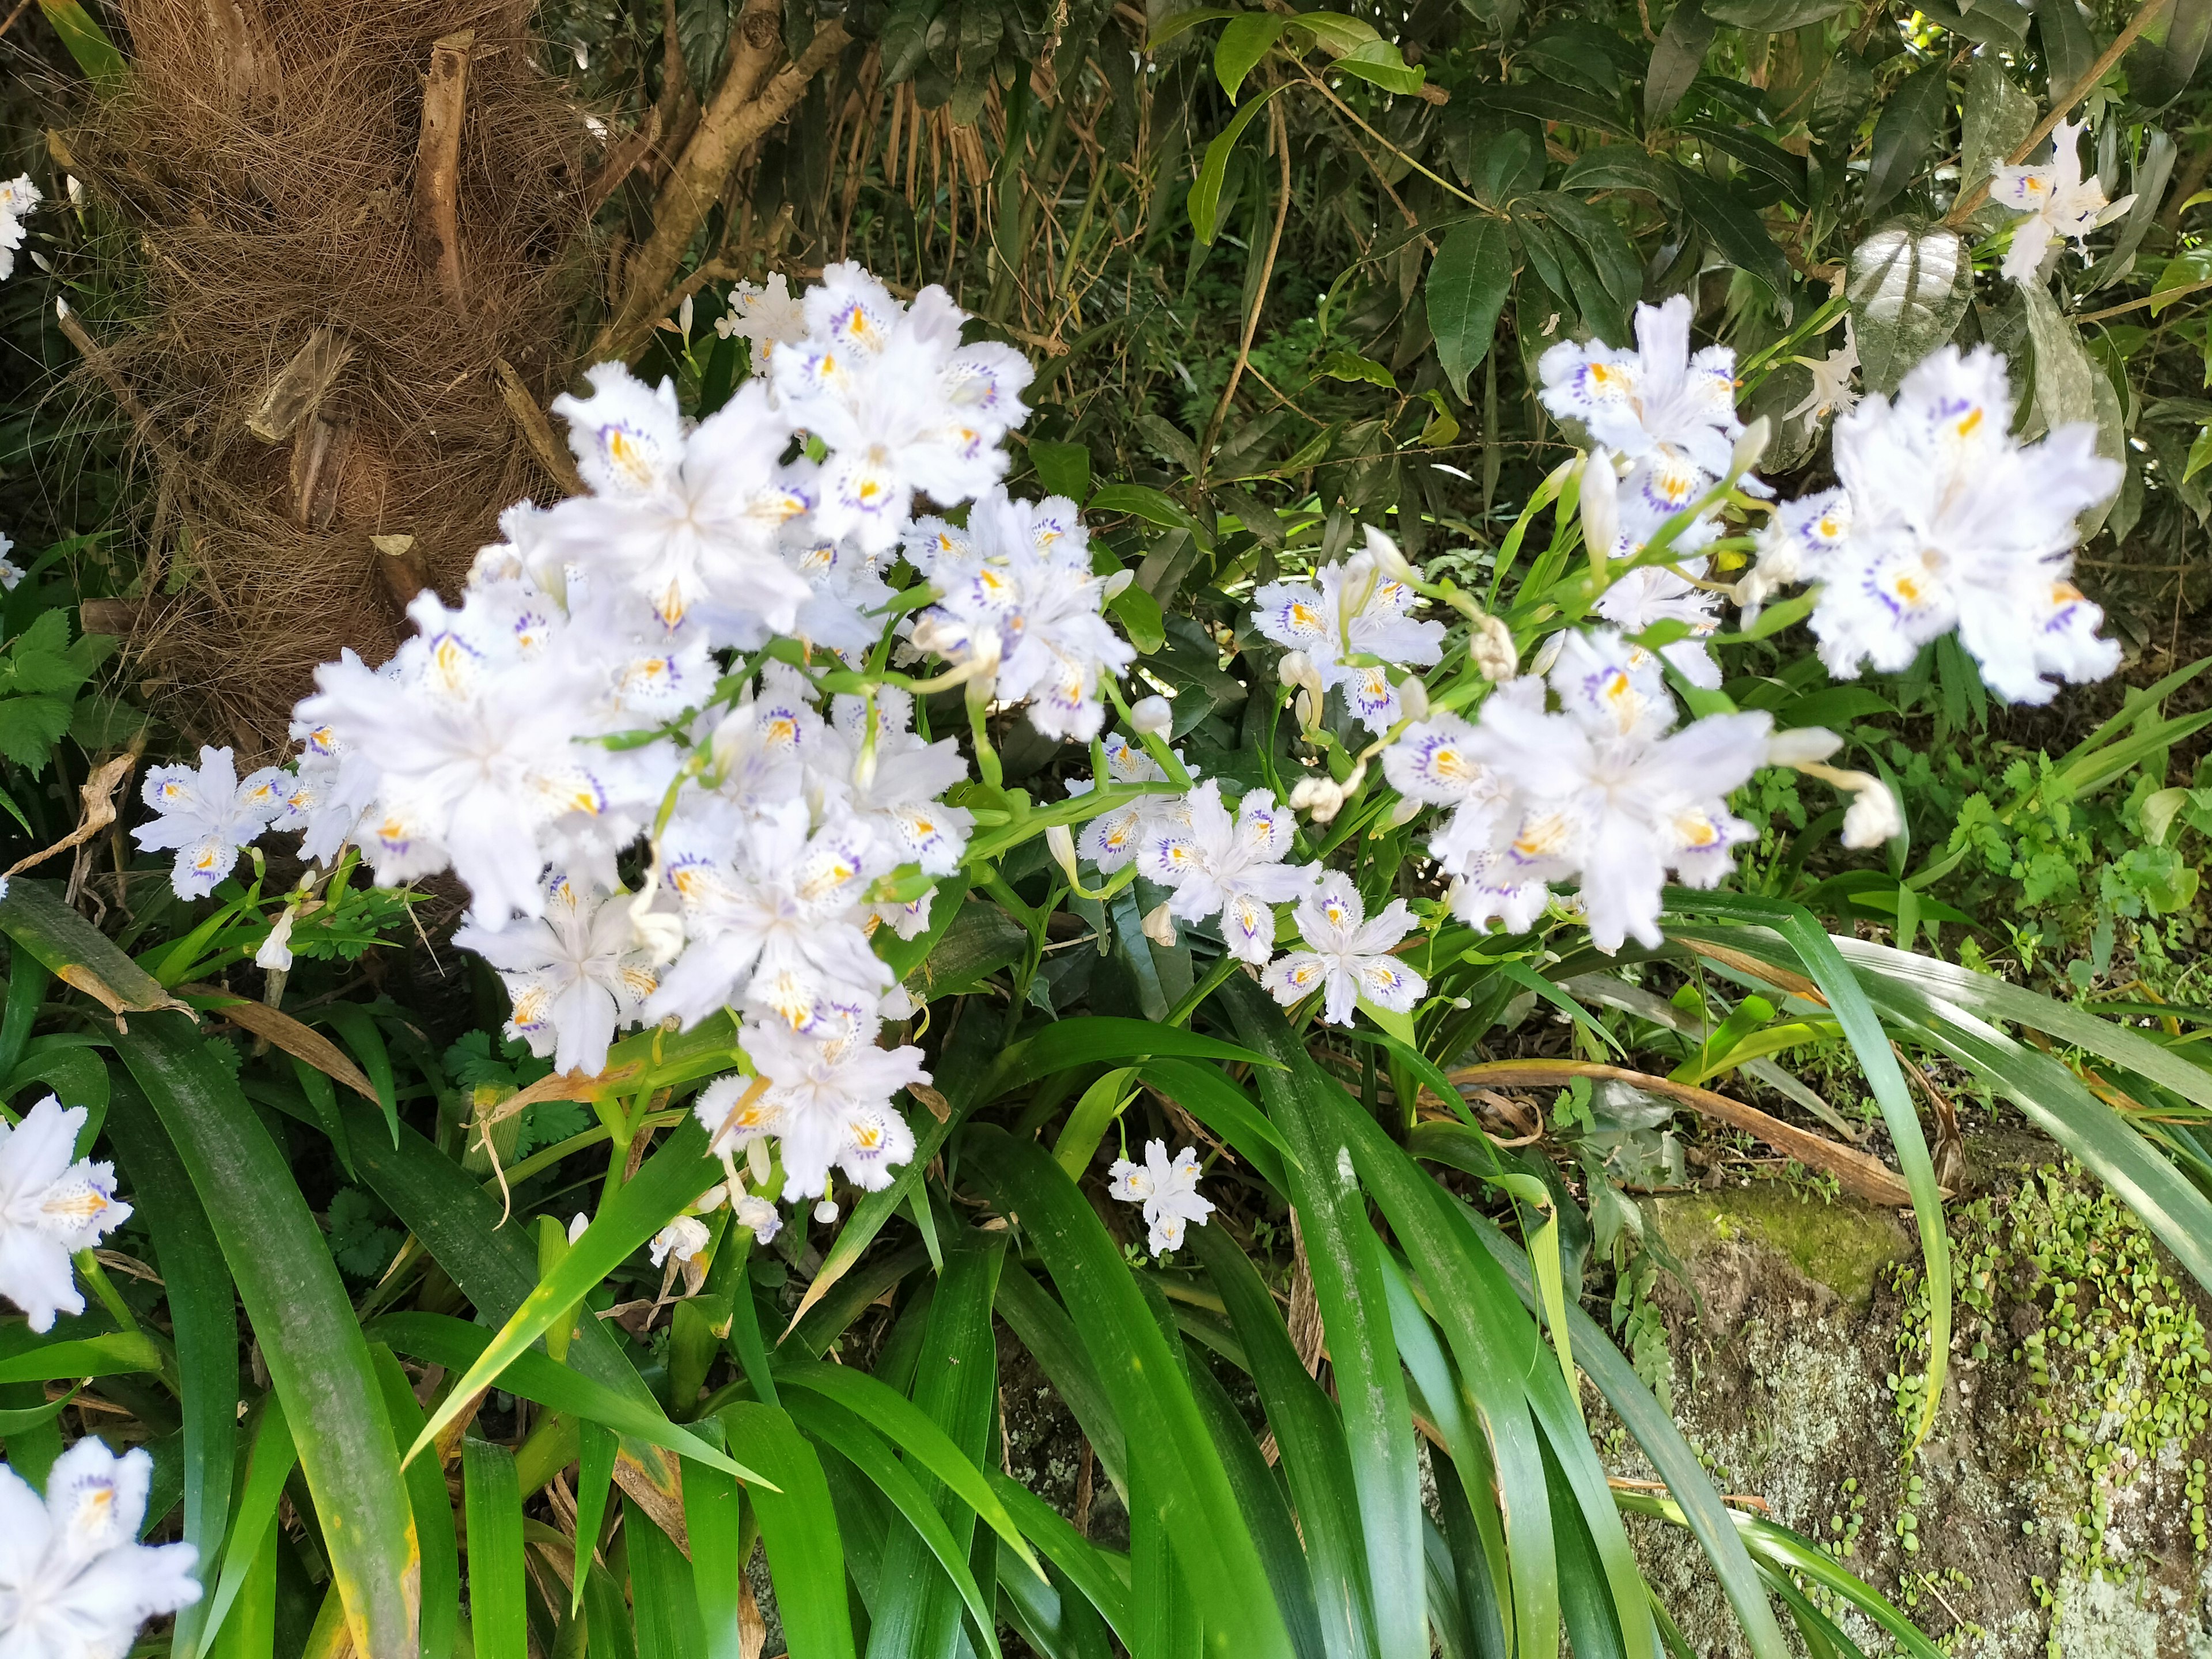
x=499, y=1618
x=1166, y=1434
x=317, y=1357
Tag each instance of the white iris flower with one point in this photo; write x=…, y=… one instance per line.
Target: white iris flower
x=1229, y=866
x=2056, y=199
x=75, y=1581
x=1168, y=1189
x=574, y=973
x=18, y=197
x=1346, y=956
x=1353, y=608
x=204, y=814
x=52, y=1204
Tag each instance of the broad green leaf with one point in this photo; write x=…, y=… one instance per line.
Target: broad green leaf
x=1167, y=1438
x=1205, y=200
x=1772, y=16
x=1909, y=285
x=459, y=1346
x=1997, y=115
x=675, y=1174
x=2162, y=62
x=203, y=1321
x=268, y=1466
x=1102, y=1577
x=499, y=1618
x=2069, y=48
x=1062, y=469
x=1141, y=502
x=1676, y=60
x=1906, y=133
x=1467, y=284
x=1344, y=1256
x=1094, y=1038
x=805, y=1554
x=1736, y=230
x=1247, y=39
x=88, y=43
x=1381, y=63
x=317, y=1357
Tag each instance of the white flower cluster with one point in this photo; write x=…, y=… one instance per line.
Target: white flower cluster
x=1943, y=520
x=683, y=669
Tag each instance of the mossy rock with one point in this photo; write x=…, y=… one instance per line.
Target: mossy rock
x=1841, y=1244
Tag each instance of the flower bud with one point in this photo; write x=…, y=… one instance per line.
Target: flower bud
x=761, y=1216
x=1152, y=716
x=1413, y=698
x=1323, y=797
x=826, y=1210
x=757, y=1158
x=1492, y=648
x=1801, y=745
x=711, y=1199
x=577, y=1223
x=275, y=955
x=1060, y=840
x=1308, y=711
x=1388, y=559
x=1160, y=928
x=1750, y=447
x=1873, y=817
x=1404, y=813
x=1600, y=507
x=1114, y=583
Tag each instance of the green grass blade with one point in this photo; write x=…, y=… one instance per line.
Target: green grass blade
x=1044, y=1329
x=713, y=1509
x=664, y=1598
x=499, y=1619
x=1102, y=1039
x=1309, y=1437
x=2058, y=1102
x=434, y=1511
x=459, y=1346
x=826, y=1420
x=250, y=1631
x=670, y=1179
x=1825, y=963
x=1345, y=1258
x=806, y=1552
x=204, y=1318
x=95, y=54
x=1220, y=1105
x=596, y=1448
x=907, y=1426
x=1654, y=1431
x=956, y=1390
x=76, y=952
x=1302, y=1586
x=1168, y=1439
x=1102, y=1577
x=318, y=1358
x=268, y=1466
x=114, y=1353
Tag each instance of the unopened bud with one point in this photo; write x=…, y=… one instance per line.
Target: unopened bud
x=1388, y=559
x=1323, y=797
x=1152, y=716
x=1751, y=447
x=1060, y=841
x=1413, y=698
x=1873, y=817
x=826, y=1210
x=1803, y=746
x=577, y=1223
x=1404, y=813
x=1119, y=580
x=1600, y=507
x=275, y=955
x=1160, y=928
x=1491, y=646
